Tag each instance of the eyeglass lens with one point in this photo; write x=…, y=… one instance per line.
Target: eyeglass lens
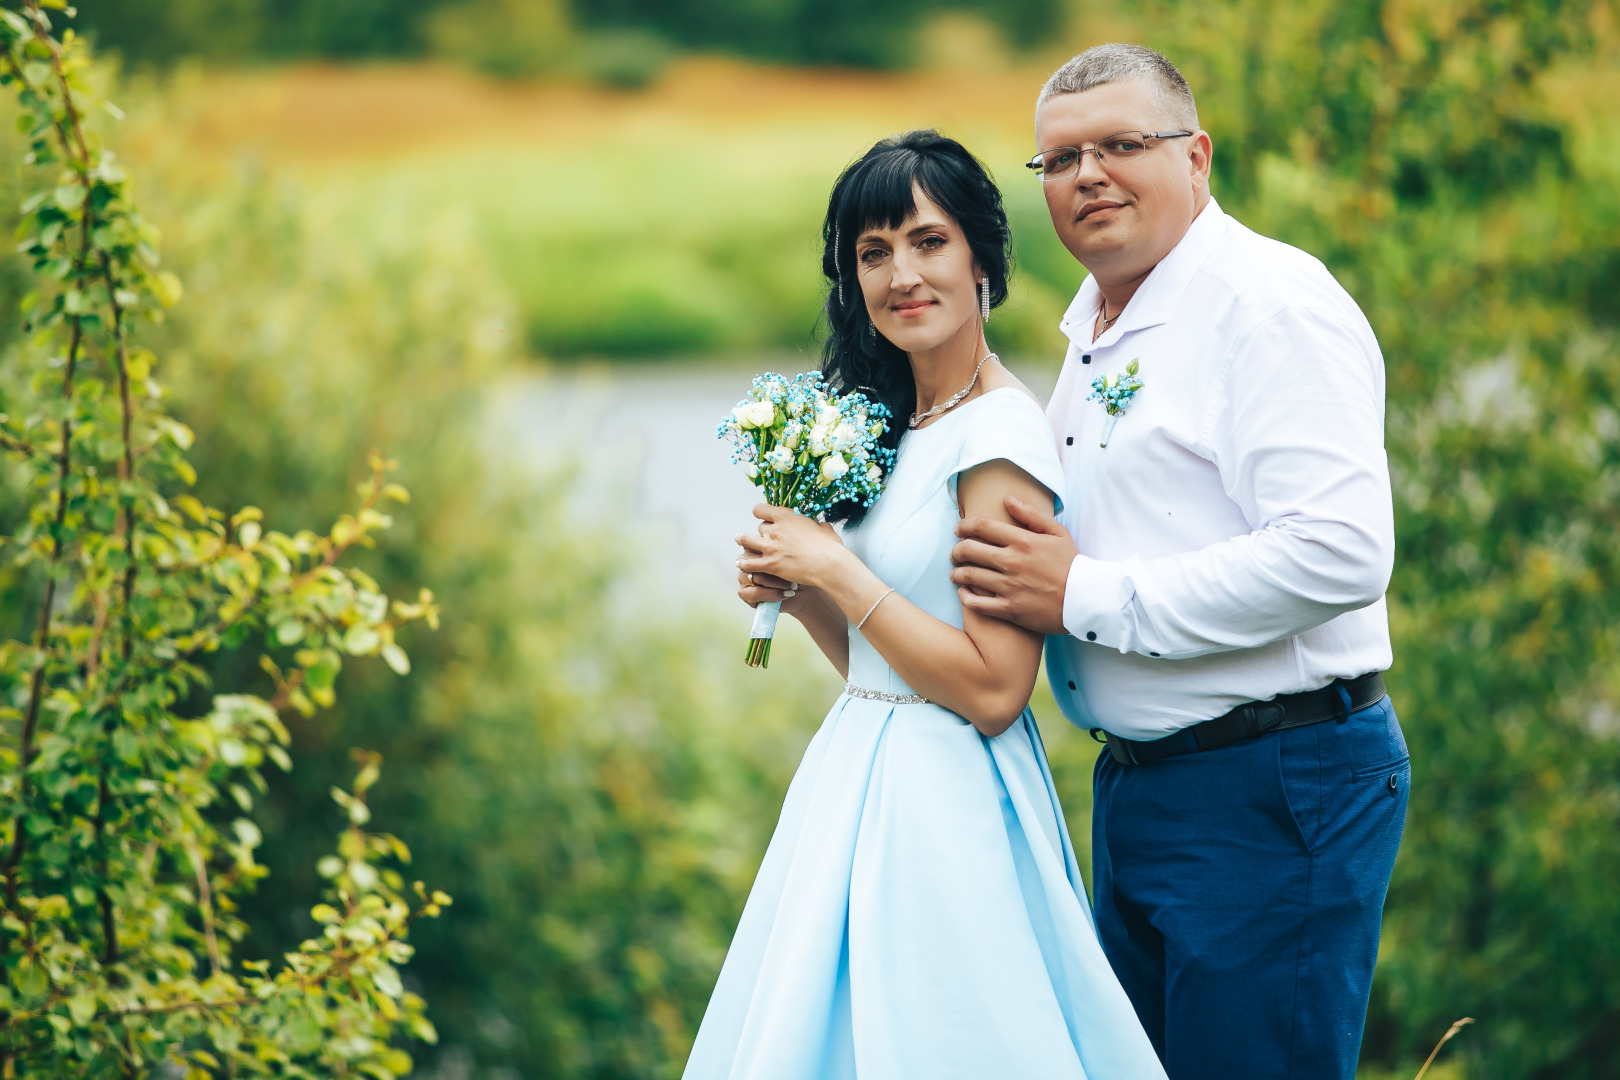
x=1062, y=162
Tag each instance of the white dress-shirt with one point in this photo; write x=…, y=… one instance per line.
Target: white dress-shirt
x=1236, y=535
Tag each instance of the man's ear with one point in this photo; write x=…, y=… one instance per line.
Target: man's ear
x=1201, y=155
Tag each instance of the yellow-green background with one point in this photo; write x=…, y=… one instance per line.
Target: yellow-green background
x=377, y=234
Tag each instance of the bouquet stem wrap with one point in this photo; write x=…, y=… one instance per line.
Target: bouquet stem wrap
x=761, y=633
x=808, y=448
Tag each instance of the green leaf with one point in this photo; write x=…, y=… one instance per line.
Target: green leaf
x=29, y=979
x=396, y=1061
x=423, y=1029
x=387, y=981
x=396, y=658
x=232, y=752
x=361, y=640
x=82, y=1006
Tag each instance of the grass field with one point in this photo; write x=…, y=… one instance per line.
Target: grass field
x=682, y=220
x=677, y=221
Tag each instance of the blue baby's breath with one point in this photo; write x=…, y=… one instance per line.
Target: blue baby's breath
x=1116, y=393
x=806, y=446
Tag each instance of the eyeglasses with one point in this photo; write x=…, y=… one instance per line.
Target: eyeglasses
x=1119, y=148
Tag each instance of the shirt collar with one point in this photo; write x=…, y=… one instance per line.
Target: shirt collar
x=1156, y=298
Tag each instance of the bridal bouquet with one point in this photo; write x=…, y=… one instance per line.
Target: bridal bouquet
x=807, y=447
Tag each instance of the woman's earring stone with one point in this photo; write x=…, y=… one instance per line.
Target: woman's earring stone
x=984, y=299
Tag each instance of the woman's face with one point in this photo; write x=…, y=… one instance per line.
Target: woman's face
x=919, y=280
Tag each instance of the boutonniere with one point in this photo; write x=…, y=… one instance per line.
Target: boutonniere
x=1115, y=392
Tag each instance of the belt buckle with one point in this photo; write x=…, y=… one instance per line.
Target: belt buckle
x=1121, y=749
x=1267, y=715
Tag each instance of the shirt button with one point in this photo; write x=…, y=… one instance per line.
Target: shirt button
x=1069, y=440
x=1153, y=654
x=1091, y=635
x=1394, y=782
x=1086, y=359
x=1072, y=686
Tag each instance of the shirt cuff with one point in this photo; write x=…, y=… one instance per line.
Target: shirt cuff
x=1095, y=600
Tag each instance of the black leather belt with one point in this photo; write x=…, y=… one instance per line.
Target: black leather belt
x=1335, y=701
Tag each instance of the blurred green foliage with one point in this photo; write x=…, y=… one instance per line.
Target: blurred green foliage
x=1470, y=201
x=602, y=792
x=123, y=777
x=688, y=247
x=522, y=37
x=597, y=797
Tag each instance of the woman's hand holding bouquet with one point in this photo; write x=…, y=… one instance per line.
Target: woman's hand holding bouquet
x=807, y=448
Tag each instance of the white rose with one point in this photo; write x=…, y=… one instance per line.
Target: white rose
x=792, y=435
x=832, y=467
x=780, y=459
x=755, y=414
x=845, y=436
x=752, y=470
x=1111, y=381
x=827, y=415
x=874, y=474
x=819, y=437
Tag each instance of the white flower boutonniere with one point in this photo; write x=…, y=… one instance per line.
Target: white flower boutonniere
x=1115, y=392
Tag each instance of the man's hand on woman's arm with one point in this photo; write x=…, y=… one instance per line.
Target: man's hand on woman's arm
x=1015, y=572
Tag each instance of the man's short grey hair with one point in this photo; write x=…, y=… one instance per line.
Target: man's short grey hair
x=1114, y=63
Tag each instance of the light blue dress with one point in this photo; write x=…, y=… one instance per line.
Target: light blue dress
x=919, y=913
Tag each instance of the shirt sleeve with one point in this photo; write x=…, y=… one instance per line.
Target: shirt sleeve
x=1297, y=435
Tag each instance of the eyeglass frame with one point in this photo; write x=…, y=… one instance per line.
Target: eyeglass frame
x=1036, y=166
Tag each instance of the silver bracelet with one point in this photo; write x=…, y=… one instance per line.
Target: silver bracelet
x=871, y=609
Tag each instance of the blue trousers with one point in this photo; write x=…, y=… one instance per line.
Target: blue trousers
x=1239, y=893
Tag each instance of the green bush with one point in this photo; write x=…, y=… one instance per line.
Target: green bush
x=597, y=794
x=1415, y=150
x=127, y=772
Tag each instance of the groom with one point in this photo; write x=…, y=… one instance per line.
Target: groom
x=1218, y=615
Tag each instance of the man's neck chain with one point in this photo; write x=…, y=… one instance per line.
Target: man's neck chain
x=1106, y=321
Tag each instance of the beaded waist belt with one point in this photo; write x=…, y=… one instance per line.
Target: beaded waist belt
x=878, y=695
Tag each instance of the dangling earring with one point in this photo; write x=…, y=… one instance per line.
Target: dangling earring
x=984, y=299
x=871, y=329
x=839, y=274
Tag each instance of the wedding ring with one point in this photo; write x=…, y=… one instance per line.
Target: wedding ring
x=751, y=580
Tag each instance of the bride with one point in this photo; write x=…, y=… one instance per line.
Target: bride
x=919, y=913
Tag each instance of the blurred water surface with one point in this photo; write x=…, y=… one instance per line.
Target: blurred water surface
x=640, y=443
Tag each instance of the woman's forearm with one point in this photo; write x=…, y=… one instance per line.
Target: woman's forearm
x=828, y=628
x=987, y=683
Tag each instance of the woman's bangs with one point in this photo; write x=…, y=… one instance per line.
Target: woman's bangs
x=882, y=195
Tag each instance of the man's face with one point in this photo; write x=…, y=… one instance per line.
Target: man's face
x=1119, y=218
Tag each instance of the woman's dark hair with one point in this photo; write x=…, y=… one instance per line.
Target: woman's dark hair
x=877, y=191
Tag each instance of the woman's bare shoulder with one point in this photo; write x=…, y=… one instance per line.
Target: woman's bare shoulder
x=997, y=377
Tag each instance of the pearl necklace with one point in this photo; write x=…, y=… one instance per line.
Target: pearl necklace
x=946, y=406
